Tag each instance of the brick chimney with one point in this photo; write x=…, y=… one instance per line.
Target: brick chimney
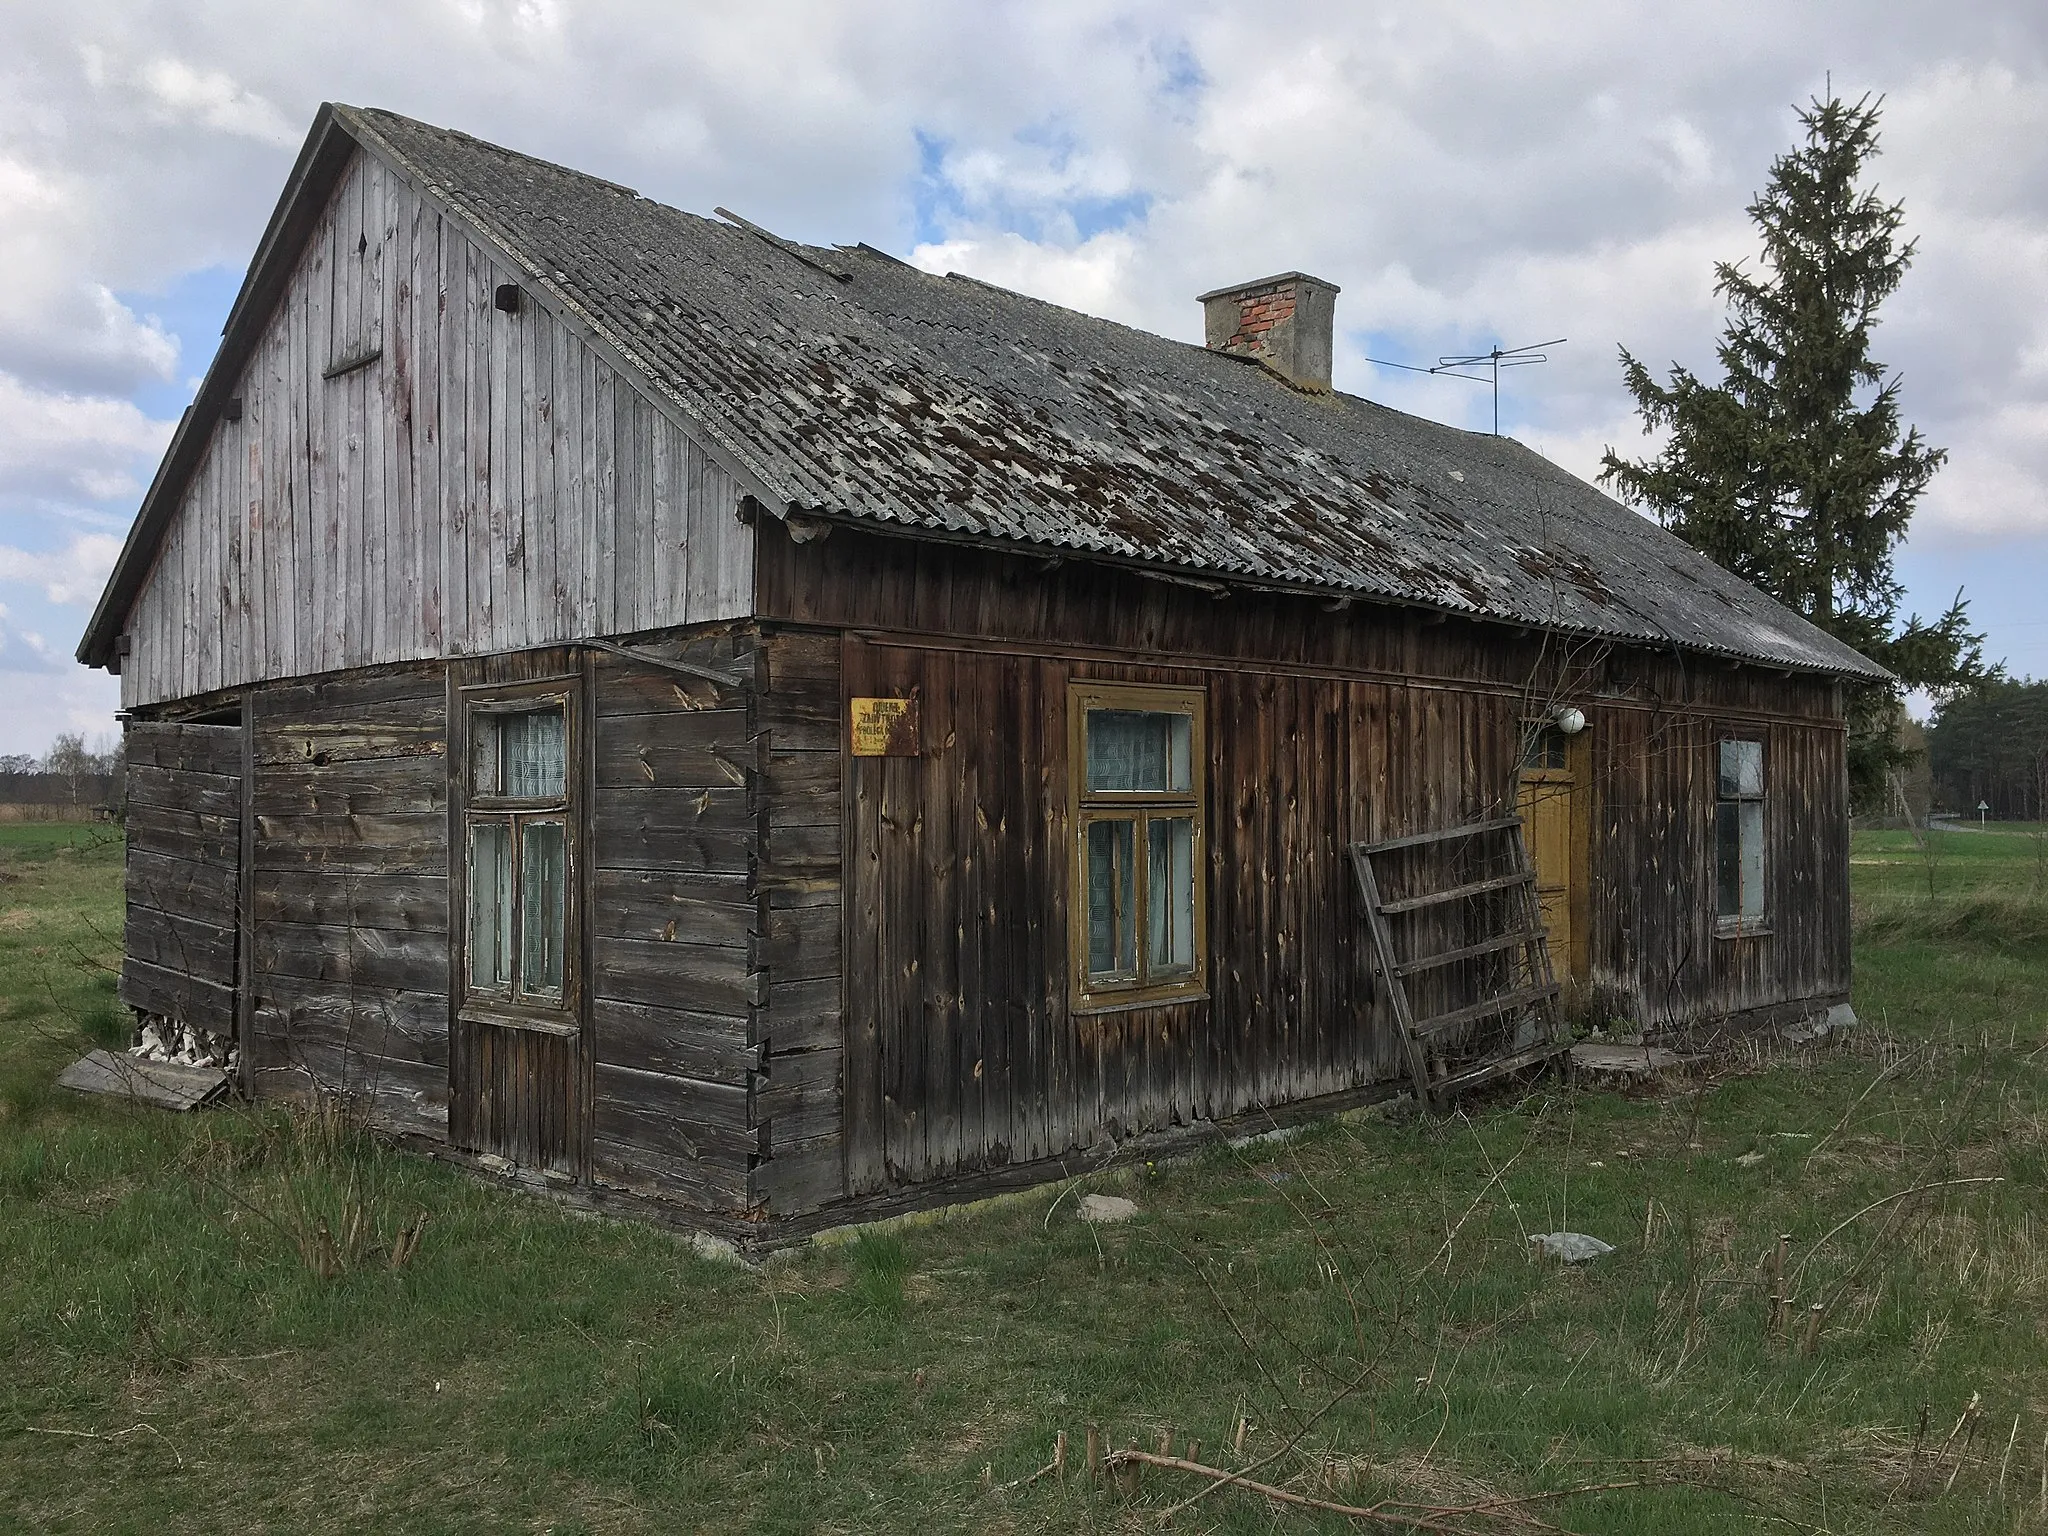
x=1288, y=322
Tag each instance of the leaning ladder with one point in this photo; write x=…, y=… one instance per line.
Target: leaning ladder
x=1530, y=984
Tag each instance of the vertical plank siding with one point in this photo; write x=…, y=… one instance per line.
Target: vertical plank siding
x=962, y=1051
x=461, y=494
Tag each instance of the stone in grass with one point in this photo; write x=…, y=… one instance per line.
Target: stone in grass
x=1570, y=1247
x=1107, y=1208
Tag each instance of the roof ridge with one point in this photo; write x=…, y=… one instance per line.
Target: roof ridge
x=370, y=114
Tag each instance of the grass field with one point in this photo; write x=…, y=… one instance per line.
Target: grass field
x=173, y=1358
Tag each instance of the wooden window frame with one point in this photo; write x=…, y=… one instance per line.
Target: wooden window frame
x=1735, y=925
x=1110, y=995
x=512, y=1007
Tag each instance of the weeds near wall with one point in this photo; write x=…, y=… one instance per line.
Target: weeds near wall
x=312, y=1174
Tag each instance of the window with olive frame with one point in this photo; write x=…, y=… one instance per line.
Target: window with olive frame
x=516, y=821
x=1136, y=770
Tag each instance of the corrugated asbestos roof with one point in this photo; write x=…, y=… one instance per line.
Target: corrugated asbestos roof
x=848, y=384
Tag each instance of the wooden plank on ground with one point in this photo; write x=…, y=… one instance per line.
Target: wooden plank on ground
x=166, y=1084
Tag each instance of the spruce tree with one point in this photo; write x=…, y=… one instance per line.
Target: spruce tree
x=1794, y=471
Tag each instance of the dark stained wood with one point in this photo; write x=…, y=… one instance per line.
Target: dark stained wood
x=169, y=884
x=378, y=957
x=710, y=978
x=961, y=1052
x=185, y=838
x=675, y=1041
x=179, y=943
x=797, y=1098
x=406, y=902
x=215, y=794
x=196, y=1000
x=678, y=1116
x=515, y=1094
x=710, y=749
x=664, y=905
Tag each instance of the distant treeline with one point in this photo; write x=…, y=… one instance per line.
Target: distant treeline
x=1990, y=746
x=70, y=773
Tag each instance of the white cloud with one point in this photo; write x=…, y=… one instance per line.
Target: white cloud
x=1503, y=170
x=62, y=445
x=74, y=573
x=211, y=97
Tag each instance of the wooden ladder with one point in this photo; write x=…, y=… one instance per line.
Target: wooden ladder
x=1507, y=961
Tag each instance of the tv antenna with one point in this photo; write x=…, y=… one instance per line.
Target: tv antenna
x=1493, y=360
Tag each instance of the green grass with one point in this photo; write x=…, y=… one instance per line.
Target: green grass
x=172, y=1359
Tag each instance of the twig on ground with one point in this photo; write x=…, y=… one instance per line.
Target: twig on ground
x=1292, y=1441
x=1883, y=1073
x=93, y=1434
x=1848, y=1221
x=1390, y=1512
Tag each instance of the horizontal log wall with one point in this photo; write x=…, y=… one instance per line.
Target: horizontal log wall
x=486, y=483
x=350, y=892
x=183, y=873
x=674, y=978
x=798, y=1095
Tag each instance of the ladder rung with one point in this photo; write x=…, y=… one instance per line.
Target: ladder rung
x=1472, y=1077
x=1418, y=839
x=1470, y=951
x=1493, y=1005
x=1456, y=892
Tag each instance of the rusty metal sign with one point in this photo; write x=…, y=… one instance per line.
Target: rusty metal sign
x=884, y=727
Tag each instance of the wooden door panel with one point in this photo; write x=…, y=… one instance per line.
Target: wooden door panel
x=1545, y=804
x=517, y=1096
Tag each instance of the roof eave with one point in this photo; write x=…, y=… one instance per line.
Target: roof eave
x=1869, y=672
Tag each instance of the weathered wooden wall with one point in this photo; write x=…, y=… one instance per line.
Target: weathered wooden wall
x=963, y=1048
x=674, y=983
x=798, y=1025
x=487, y=484
x=350, y=892
x=962, y=1051
x=184, y=873
x=1655, y=954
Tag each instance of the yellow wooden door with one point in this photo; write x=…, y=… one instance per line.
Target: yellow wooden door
x=1545, y=804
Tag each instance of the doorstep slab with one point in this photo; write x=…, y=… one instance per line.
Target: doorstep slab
x=166, y=1084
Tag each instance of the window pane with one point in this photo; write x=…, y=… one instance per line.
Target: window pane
x=543, y=885
x=1742, y=770
x=532, y=754
x=1727, y=859
x=1112, y=898
x=1135, y=750
x=1752, y=813
x=490, y=905
x=1170, y=894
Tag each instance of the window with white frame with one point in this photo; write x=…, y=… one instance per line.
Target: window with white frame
x=1138, y=907
x=1739, y=836
x=516, y=821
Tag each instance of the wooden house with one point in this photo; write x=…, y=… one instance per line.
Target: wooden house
x=762, y=732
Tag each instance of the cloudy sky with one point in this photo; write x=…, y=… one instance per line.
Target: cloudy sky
x=1469, y=174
